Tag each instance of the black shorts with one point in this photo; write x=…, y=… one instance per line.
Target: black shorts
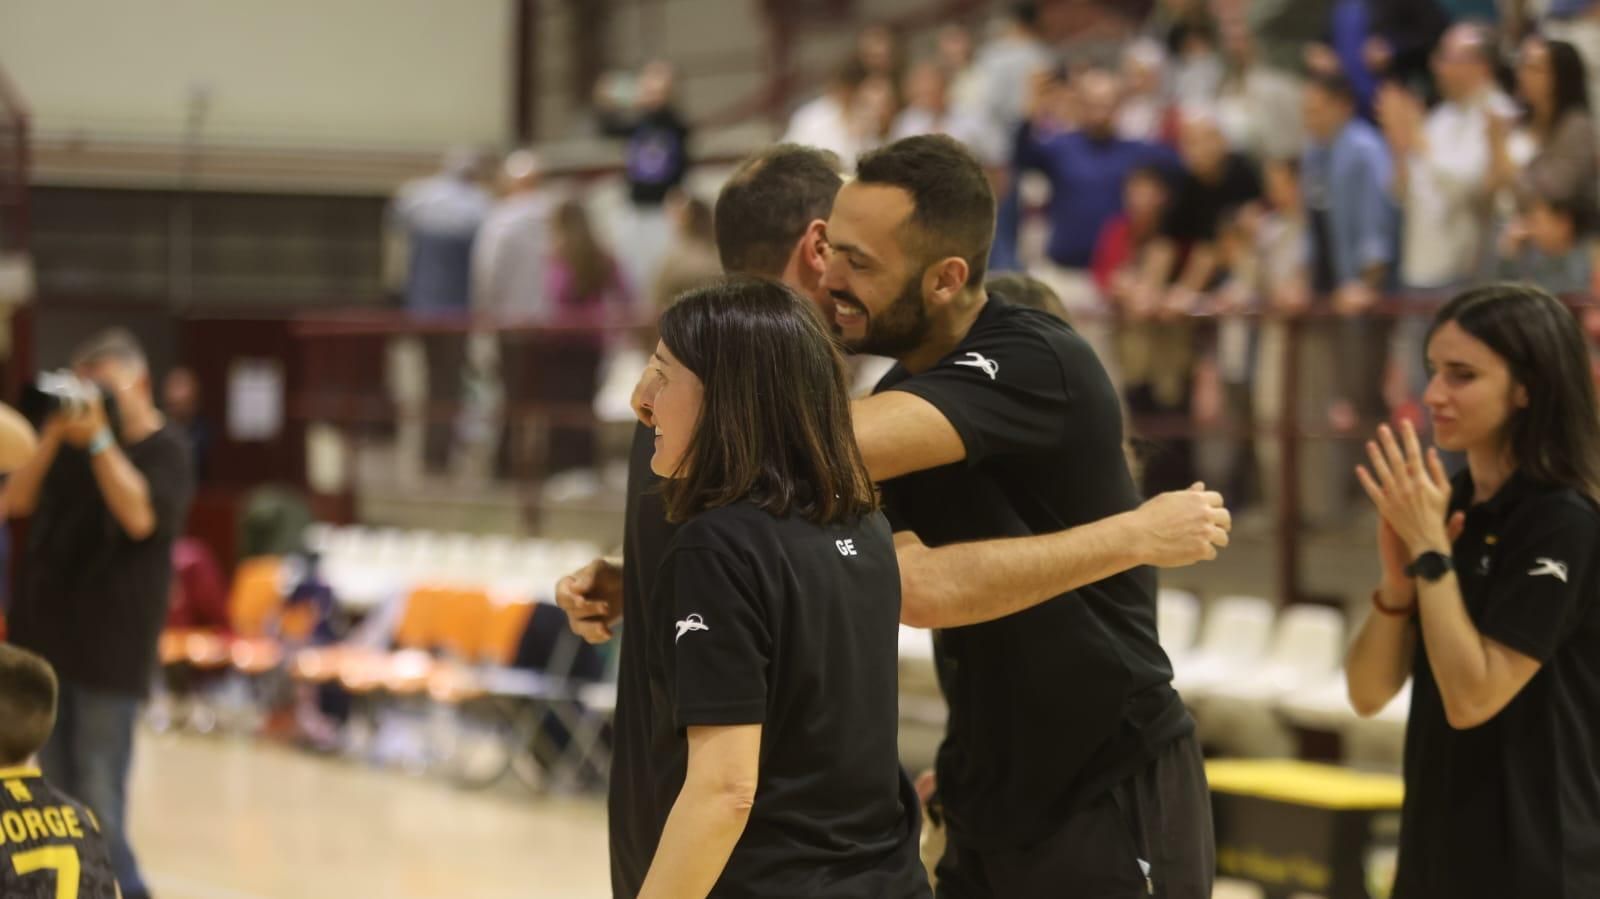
x=1160, y=817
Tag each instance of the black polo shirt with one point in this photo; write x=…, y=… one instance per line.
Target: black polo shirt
x=794, y=626
x=1053, y=705
x=1512, y=807
x=639, y=753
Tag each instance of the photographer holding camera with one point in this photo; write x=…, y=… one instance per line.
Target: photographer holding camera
x=107, y=490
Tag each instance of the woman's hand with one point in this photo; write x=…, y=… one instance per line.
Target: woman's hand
x=1412, y=493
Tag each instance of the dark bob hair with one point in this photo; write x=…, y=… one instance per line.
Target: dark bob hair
x=774, y=424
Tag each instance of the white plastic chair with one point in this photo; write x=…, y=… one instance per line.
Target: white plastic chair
x=1177, y=621
x=1240, y=716
x=1233, y=640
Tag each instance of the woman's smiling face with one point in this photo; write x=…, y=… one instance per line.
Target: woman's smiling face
x=674, y=400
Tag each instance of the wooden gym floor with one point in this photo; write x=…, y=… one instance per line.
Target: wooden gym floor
x=220, y=818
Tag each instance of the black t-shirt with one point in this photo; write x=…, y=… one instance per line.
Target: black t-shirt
x=46, y=836
x=657, y=155
x=1512, y=807
x=93, y=599
x=1051, y=706
x=1197, y=206
x=795, y=626
x=639, y=752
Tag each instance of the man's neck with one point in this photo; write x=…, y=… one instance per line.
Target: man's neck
x=139, y=422
x=946, y=334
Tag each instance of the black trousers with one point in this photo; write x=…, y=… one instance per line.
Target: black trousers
x=1160, y=817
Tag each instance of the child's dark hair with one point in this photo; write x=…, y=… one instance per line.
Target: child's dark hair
x=27, y=704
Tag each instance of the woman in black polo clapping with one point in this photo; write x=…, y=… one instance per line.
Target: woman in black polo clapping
x=1490, y=602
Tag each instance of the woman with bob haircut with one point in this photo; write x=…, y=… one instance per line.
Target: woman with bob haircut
x=773, y=633
x=1488, y=603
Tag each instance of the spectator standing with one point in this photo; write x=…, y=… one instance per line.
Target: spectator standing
x=656, y=160
x=879, y=52
x=1369, y=41
x=1211, y=181
x=508, y=281
x=693, y=261
x=1006, y=64
x=440, y=217
x=930, y=111
x=828, y=122
x=1554, y=154
x=1086, y=168
x=956, y=58
x=107, y=499
x=1186, y=259
x=509, y=258
x=1258, y=105
x=180, y=400
x=586, y=289
x=1441, y=162
x=1577, y=22
x=1441, y=181
x=1143, y=112
x=1346, y=177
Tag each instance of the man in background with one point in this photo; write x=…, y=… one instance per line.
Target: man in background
x=106, y=498
x=440, y=217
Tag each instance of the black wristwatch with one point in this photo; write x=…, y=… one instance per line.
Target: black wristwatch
x=1430, y=566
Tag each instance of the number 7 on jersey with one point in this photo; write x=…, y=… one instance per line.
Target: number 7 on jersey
x=61, y=859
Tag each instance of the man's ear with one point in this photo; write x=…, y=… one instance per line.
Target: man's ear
x=813, y=249
x=945, y=278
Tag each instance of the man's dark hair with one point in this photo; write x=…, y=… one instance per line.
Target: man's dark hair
x=952, y=203
x=1025, y=14
x=1335, y=85
x=113, y=343
x=774, y=425
x=27, y=704
x=766, y=206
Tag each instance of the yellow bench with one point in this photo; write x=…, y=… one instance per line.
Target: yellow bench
x=1300, y=827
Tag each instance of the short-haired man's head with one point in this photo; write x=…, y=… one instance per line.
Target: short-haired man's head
x=766, y=207
x=111, y=345
x=27, y=704
x=1328, y=103
x=1021, y=289
x=952, y=204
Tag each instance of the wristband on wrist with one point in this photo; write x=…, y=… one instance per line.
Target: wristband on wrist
x=1392, y=612
x=101, y=442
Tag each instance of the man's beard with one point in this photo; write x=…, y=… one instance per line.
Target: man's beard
x=898, y=330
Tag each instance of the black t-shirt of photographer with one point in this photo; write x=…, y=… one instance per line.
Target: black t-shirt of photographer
x=93, y=599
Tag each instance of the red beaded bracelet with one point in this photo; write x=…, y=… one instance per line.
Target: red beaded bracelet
x=1406, y=612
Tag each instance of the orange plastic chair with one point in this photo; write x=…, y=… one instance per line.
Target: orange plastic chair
x=420, y=621
x=256, y=595
x=506, y=623
x=463, y=624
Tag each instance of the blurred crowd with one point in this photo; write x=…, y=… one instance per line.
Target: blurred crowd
x=1183, y=182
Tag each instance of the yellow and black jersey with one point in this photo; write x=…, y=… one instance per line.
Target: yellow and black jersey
x=51, y=846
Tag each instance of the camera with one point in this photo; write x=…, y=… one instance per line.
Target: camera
x=63, y=392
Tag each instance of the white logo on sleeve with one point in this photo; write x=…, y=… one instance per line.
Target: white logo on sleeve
x=1557, y=570
x=846, y=547
x=692, y=623
x=976, y=360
